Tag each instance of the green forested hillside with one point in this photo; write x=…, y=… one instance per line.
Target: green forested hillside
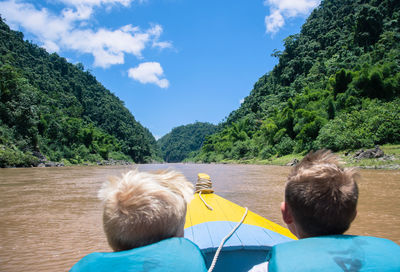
x=53, y=108
x=183, y=140
x=337, y=86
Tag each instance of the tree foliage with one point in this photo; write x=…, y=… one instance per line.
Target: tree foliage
x=51, y=107
x=184, y=140
x=336, y=85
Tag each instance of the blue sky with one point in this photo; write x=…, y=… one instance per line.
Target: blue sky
x=172, y=62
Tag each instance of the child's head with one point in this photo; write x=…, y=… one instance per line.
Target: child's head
x=142, y=208
x=320, y=195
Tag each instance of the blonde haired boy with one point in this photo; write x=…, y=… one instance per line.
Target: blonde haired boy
x=320, y=204
x=143, y=219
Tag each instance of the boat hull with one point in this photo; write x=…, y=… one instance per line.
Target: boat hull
x=248, y=246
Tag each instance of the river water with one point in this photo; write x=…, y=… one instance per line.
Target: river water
x=51, y=217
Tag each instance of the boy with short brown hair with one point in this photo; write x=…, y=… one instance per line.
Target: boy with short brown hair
x=320, y=196
x=320, y=204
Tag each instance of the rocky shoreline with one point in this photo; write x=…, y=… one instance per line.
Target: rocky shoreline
x=356, y=159
x=374, y=158
x=99, y=163
x=375, y=153
x=43, y=162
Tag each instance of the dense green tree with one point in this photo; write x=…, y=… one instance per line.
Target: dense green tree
x=336, y=85
x=51, y=107
x=368, y=25
x=183, y=140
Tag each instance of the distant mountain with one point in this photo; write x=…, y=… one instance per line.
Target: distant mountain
x=53, y=108
x=337, y=86
x=183, y=140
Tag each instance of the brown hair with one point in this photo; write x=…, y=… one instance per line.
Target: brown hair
x=142, y=208
x=322, y=195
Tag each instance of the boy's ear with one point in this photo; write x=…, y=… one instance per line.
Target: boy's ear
x=286, y=213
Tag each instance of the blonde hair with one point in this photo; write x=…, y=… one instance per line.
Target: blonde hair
x=142, y=208
x=322, y=195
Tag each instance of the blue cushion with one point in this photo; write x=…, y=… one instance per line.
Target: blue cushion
x=173, y=254
x=336, y=253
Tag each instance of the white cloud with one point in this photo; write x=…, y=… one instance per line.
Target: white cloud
x=81, y=13
x=162, y=45
x=274, y=21
x=95, y=2
x=149, y=72
x=68, y=30
x=156, y=32
x=51, y=46
x=84, y=8
x=109, y=47
x=39, y=22
x=281, y=9
x=241, y=101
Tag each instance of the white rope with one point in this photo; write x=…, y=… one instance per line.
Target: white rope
x=203, y=184
x=224, y=240
x=205, y=203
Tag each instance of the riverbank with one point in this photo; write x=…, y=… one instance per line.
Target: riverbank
x=98, y=163
x=390, y=159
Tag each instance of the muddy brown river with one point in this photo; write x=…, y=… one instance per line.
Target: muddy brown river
x=51, y=217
